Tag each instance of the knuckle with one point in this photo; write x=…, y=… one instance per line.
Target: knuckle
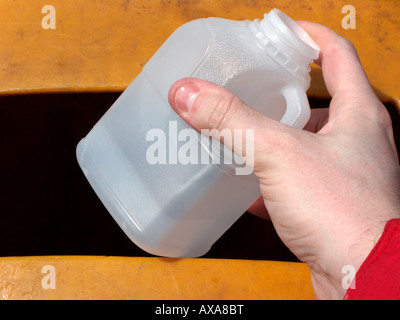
x=383, y=118
x=348, y=44
x=222, y=111
x=344, y=44
x=378, y=117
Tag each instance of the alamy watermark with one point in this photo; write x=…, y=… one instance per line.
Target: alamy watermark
x=349, y=20
x=49, y=280
x=349, y=281
x=49, y=20
x=188, y=147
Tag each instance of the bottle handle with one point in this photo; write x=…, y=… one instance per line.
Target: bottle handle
x=298, y=110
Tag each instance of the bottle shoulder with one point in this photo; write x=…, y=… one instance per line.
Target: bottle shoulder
x=179, y=56
x=234, y=50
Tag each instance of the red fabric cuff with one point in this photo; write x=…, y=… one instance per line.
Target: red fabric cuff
x=379, y=276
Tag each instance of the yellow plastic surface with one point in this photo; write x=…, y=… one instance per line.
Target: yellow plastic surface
x=95, y=277
x=102, y=46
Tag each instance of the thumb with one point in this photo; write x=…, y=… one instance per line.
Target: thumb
x=204, y=105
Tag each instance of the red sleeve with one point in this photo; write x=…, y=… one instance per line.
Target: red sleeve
x=379, y=276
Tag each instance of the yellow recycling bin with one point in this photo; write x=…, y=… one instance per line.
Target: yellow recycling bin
x=99, y=47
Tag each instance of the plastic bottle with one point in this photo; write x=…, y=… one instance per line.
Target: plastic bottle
x=166, y=206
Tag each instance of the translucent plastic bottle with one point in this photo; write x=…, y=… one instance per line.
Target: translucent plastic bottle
x=178, y=209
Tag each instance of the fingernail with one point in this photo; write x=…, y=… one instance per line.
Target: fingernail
x=185, y=96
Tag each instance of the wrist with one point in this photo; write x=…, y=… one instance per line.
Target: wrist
x=333, y=274
x=379, y=276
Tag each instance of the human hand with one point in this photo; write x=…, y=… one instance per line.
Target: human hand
x=330, y=189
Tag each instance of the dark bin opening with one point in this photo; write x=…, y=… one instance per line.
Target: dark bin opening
x=49, y=208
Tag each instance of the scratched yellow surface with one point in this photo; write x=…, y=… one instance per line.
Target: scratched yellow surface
x=96, y=277
x=101, y=46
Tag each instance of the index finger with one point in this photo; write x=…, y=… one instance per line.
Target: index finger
x=341, y=67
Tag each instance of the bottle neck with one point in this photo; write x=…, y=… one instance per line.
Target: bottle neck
x=286, y=42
